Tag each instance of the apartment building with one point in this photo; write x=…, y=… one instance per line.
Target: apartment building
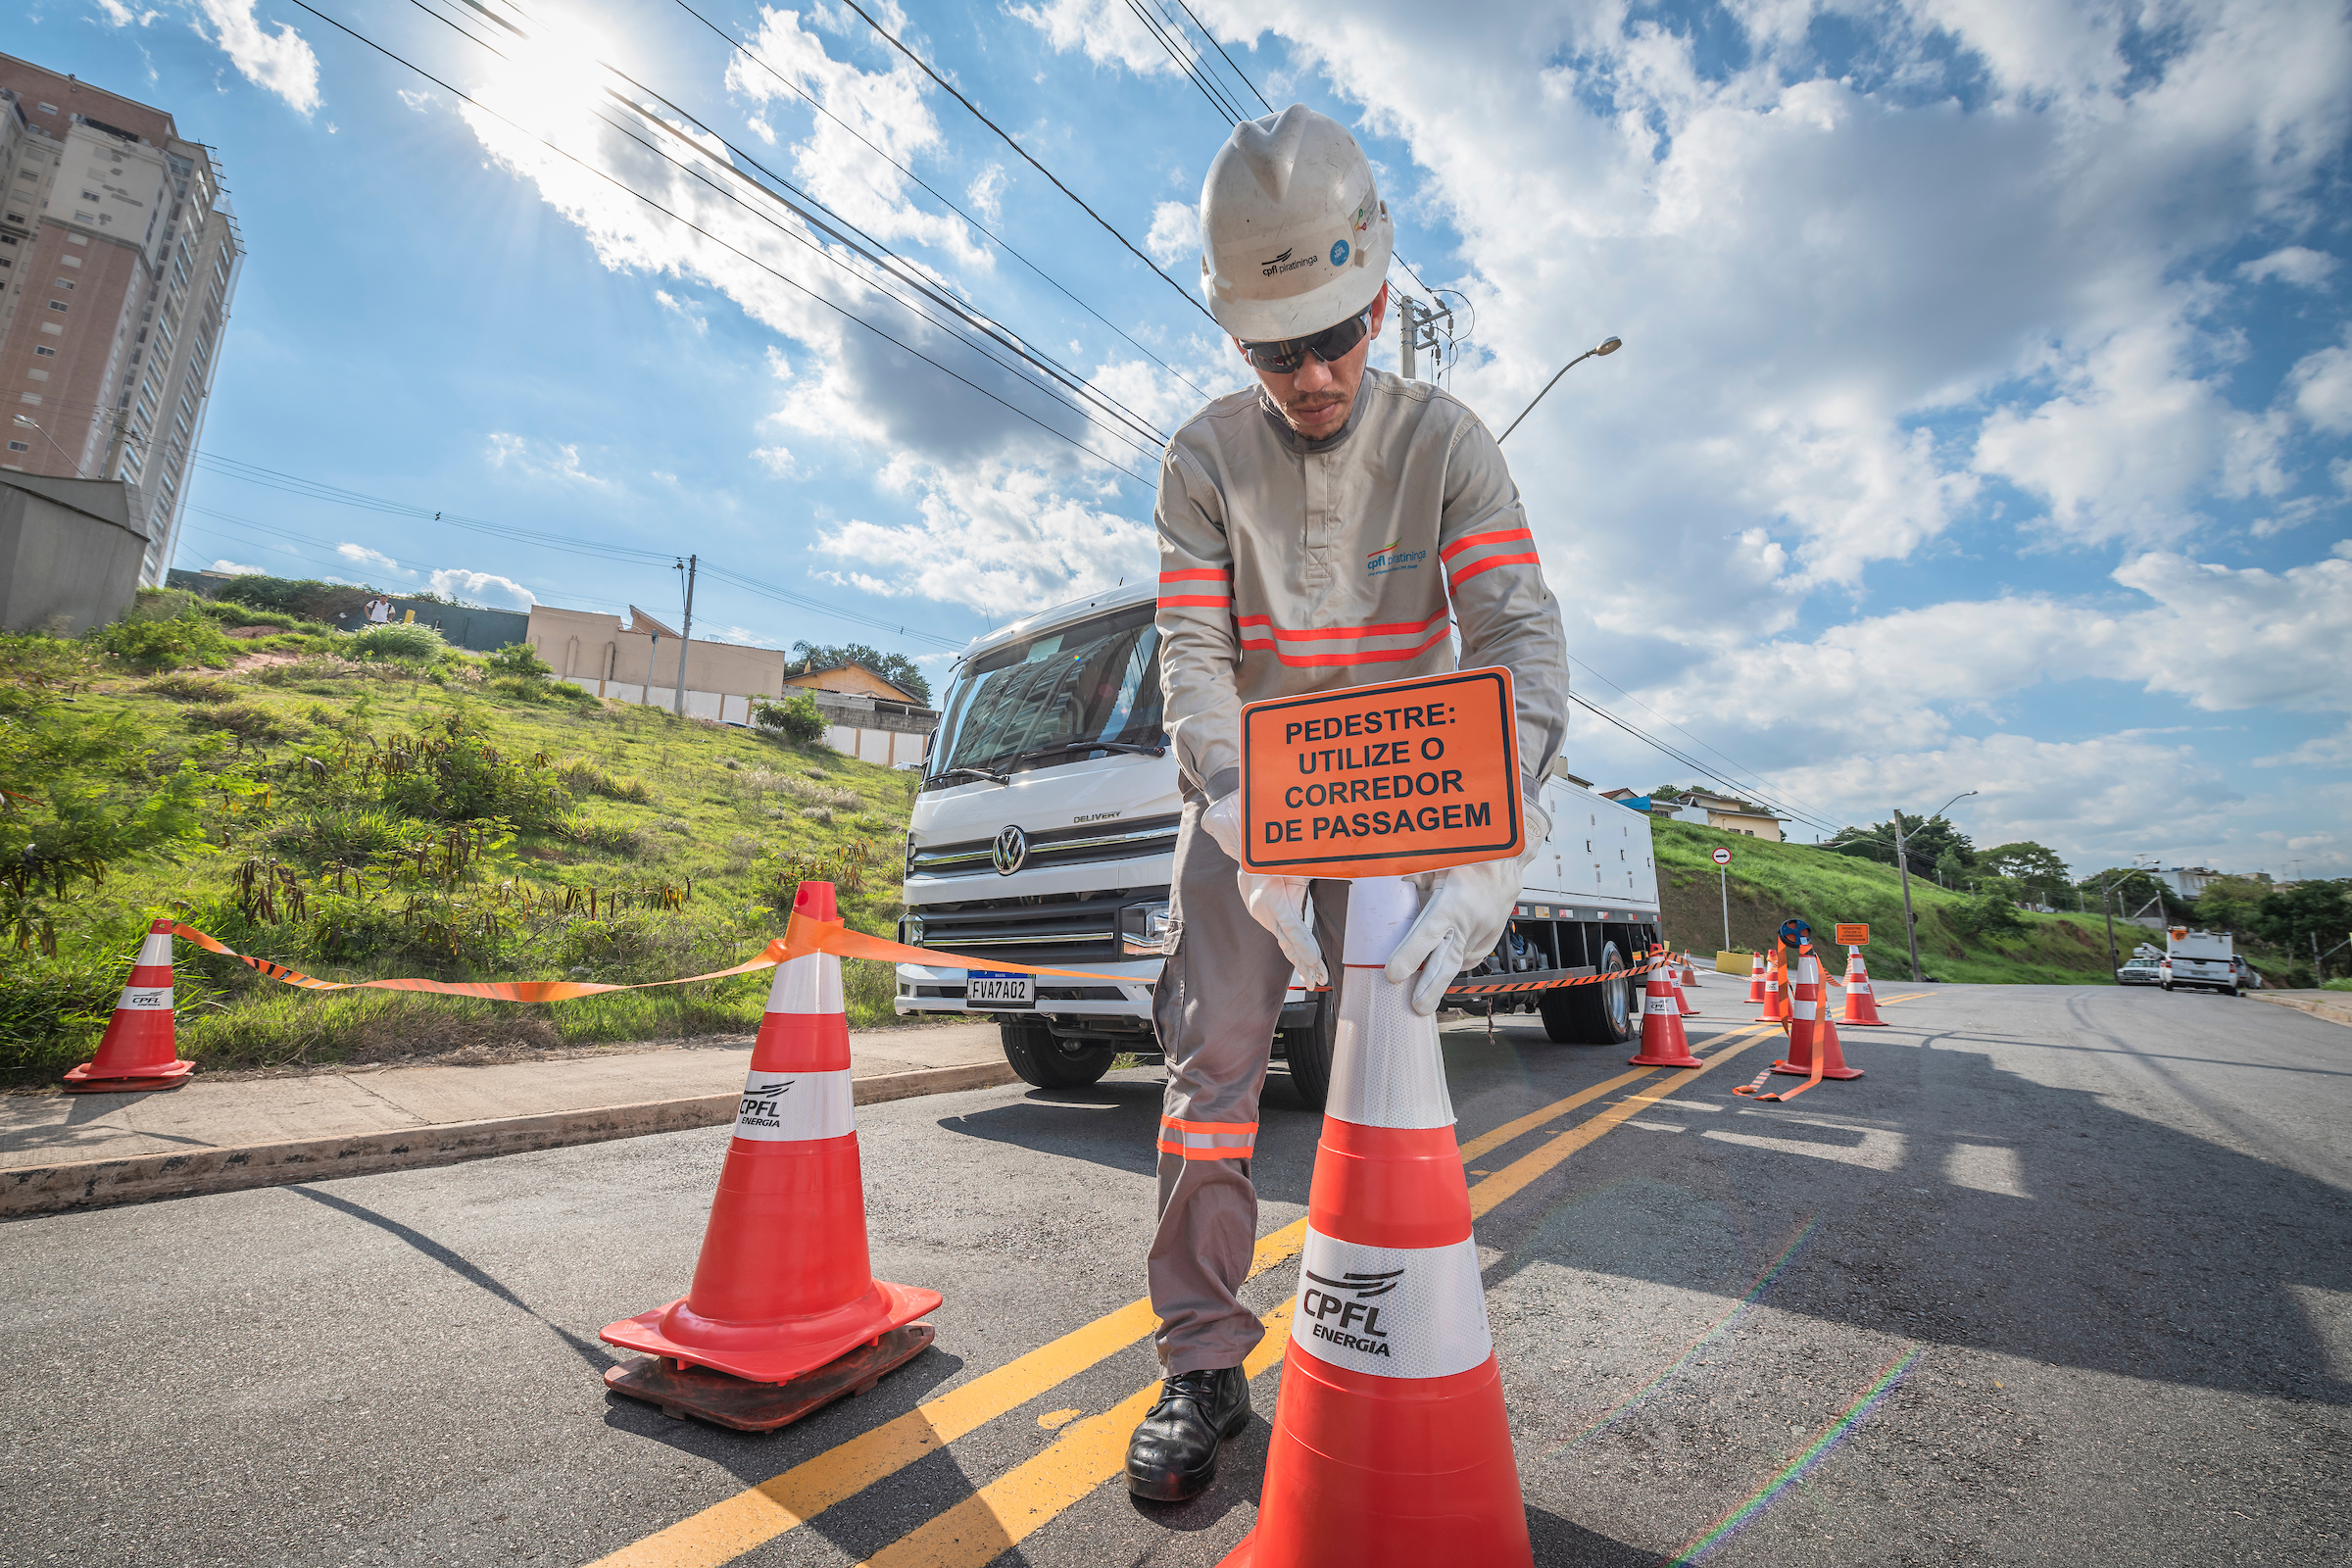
x=119, y=257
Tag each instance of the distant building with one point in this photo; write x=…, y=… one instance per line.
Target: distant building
x=868, y=716
x=1721, y=812
x=2186, y=880
x=117, y=259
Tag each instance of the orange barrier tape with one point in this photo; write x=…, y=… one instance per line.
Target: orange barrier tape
x=802, y=937
x=1630, y=971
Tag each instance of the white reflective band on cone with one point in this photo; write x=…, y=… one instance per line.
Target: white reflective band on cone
x=145, y=999
x=1392, y=1312
x=1387, y=1069
x=796, y=1107
x=156, y=950
x=1659, y=1004
x=810, y=983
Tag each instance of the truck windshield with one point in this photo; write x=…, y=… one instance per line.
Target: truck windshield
x=1052, y=699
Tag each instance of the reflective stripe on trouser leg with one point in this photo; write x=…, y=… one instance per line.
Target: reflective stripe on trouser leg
x=1216, y=1008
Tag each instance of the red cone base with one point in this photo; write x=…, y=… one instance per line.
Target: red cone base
x=1334, y=1498
x=1755, y=980
x=139, y=1051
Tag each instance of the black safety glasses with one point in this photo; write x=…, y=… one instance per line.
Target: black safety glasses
x=1332, y=343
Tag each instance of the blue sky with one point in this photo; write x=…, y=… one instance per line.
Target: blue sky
x=1982, y=420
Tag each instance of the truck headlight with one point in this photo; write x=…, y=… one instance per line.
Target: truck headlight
x=1143, y=930
x=910, y=928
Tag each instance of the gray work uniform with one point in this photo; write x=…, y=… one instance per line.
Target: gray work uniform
x=1289, y=567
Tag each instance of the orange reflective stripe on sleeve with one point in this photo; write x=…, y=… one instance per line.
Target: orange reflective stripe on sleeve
x=1202, y=596
x=1207, y=1140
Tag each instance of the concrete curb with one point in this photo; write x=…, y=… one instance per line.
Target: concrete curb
x=2333, y=1011
x=100, y=1182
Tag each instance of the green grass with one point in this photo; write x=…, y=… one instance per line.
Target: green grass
x=1773, y=882
x=702, y=832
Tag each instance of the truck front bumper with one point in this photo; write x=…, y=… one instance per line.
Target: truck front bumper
x=1124, y=1008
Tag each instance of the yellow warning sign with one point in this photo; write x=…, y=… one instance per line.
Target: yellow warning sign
x=1384, y=780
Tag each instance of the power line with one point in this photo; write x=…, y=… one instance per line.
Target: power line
x=864, y=245
x=788, y=281
x=1161, y=34
x=1228, y=59
x=1006, y=138
x=749, y=54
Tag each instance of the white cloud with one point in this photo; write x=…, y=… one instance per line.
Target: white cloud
x=119, y=15
x=281, y=62
x=2296, y=264
x=777, y=461
x=997, y=538
x=1175, y=235
x=987, y=193
x=762, y=130
x=414, y=99
x=544, y=459
x=236, y=569
x=2320, y=750
x=364, y=559
x=1107, y=29
x=688, y=311
x=2323, y=386
x=482, y=587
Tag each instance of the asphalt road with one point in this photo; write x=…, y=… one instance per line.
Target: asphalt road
x=2065, y=1277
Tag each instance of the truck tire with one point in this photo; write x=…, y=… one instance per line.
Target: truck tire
x=1038, y=1057
x=1596, y=1015
x=1308, y=1051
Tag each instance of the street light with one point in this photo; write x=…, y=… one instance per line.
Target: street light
x=1903, y=864
x=25, y=419
x=1607, y=344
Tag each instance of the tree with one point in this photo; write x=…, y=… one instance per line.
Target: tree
x=2036, y=869
x=1925, y=841
x=896, y=668
x=2229, y=902
x=2291, y=917
x=797, y=718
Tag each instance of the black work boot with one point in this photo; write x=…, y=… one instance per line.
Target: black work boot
x=1173, y=1455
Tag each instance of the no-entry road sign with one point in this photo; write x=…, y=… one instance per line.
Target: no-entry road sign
x=1409, y=776
x=1723, y=856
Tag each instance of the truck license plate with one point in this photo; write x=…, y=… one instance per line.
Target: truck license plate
x=990, y=988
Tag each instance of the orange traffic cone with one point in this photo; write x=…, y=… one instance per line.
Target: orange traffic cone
x=1690, y=969
x=1776, y=994
x=1663, y=1043
x=138, y=1052
x=1682, y=1002
x=1861, y=1006
x=1755, y=980
x=1391, y=1445
x=784, y=1314
x=1809, y=1026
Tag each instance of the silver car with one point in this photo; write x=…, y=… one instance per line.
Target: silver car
x=2139, y=973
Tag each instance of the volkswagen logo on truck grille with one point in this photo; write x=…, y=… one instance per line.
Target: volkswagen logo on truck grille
x=1010, y=850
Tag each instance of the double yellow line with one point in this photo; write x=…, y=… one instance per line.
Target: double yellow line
x=1089, y=1453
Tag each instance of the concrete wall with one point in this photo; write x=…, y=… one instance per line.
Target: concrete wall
x=69, y=553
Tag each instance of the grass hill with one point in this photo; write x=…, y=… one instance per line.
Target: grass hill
x=1772, y=882
x=360, y=814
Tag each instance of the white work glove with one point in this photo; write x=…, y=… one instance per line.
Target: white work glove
x=1277, y=903
x=1463, y=919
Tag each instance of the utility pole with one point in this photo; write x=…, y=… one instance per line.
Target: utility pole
x=1902, y=863
x=686, y=636
x=2114, y=959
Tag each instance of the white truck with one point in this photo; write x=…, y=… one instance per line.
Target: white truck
x=1044, y=831
x=2207, y=960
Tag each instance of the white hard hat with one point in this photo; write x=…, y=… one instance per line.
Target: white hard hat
x=1293, y=235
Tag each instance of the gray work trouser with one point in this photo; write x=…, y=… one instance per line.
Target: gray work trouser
x=1217, y=1005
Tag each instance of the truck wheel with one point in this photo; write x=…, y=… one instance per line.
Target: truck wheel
x=1309, y=1051
x=2164, y=986
x=1039, y=1058
x=1596, y=1015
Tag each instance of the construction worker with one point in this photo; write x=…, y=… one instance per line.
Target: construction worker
x=1334, y=526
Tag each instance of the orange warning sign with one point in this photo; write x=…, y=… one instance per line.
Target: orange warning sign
x=1854, y=935
x=1409, y=776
